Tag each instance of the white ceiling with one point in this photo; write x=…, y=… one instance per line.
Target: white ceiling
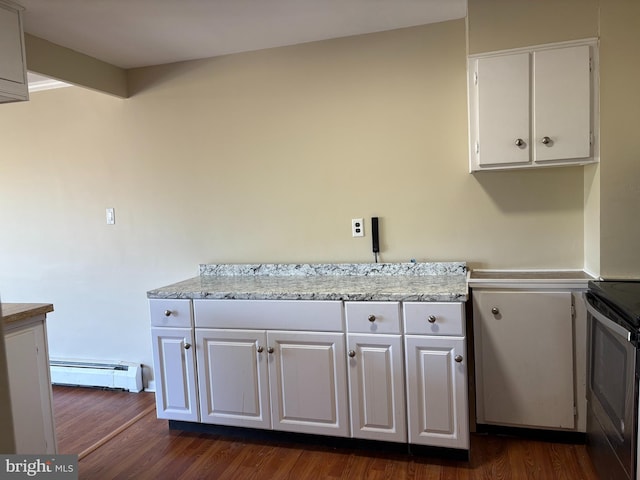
x=137, y=33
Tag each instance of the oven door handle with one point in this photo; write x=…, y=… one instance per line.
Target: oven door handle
x=608, y=323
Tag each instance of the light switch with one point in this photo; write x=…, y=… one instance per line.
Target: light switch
x=111, y=216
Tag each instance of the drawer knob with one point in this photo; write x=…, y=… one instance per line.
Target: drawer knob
x=519, y=142
x=167, y=313
x=372, y=318
x=187, y=345
x=546, y=140
x=458, y=358
x=495, y=310
x=431, y=319
x=352, y=353
x=270, y=350
x=260, y=349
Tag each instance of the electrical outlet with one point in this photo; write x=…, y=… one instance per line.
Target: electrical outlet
x=357, y=227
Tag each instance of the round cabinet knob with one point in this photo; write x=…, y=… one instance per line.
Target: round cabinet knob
x=546, y=140
x=187, y=345
x=458, y=358
x=352, y=353
x=372, y=318
x=519, y=142
x=167, y=313
x=260, y=349
x=270, y=350
x=431, y=319
x=495, y=310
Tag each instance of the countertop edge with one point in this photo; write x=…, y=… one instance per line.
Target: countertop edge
x=426, y=297
x=14, y=312
x=570, y=279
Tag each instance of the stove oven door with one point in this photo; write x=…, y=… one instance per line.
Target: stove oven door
x=611, y=395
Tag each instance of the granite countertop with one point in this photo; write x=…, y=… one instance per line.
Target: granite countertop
x=421, y=282
x=14, y=312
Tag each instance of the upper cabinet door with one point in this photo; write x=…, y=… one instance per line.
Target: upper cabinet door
x=13, y=73
x=562, y=107
x=503, y=109
x=534, y=107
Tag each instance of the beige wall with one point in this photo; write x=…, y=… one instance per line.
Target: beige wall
x=504, y=24
x=259, y=157
x=620, y=124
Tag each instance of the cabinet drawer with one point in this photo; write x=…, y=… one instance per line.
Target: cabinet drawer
x=311, y=315
x=425, y=318
x=373, y=317
x=171, y=312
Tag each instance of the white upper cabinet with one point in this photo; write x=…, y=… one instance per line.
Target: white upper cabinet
x=13, y=70
x=533, y=107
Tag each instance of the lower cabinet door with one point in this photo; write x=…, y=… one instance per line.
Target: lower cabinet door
x=437, y=391
x=233, y=377
x=30, y=389
x=307, y=381
x=376, y=387
x=175, y=371
x=524, y=358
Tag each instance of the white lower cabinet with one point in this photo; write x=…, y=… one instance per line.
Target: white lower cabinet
x=376, y=371
x=437, y=395
x=288, y=380
x=30, y=386
x=233, y=377
x=376, y=385
x=308, y=382
x=437, y=389
x=525, y=358
x=295, y=366
x=174, y=359
x=175, y=373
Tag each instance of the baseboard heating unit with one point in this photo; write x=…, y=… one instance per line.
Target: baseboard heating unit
x=118, y=375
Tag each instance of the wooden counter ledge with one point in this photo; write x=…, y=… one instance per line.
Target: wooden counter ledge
x=13, y=312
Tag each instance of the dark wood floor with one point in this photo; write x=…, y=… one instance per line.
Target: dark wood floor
x=144, y=448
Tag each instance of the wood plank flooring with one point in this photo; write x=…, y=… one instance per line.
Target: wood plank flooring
x=147, y=449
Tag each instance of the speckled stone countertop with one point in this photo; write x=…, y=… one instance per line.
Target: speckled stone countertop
x=420, y=282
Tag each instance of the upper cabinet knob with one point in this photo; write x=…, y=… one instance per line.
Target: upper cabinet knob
x=431, y=319
x=167, y=313
x=352, y=353
x=187, y=345
x=372, y=318
x=519, y=142
x=495, y=310
x=270, y=350
x=546, y=140
x=260, y=349
x=458, y=358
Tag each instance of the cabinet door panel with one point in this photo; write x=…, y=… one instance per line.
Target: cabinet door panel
x=233, y=377
x=437, y=391
x=524, y=358
x=13, y=74
x=376, y=384
x=174, y=366
x=307, y=382
x=503, y=109
x=30, y=390
x=562, y=103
